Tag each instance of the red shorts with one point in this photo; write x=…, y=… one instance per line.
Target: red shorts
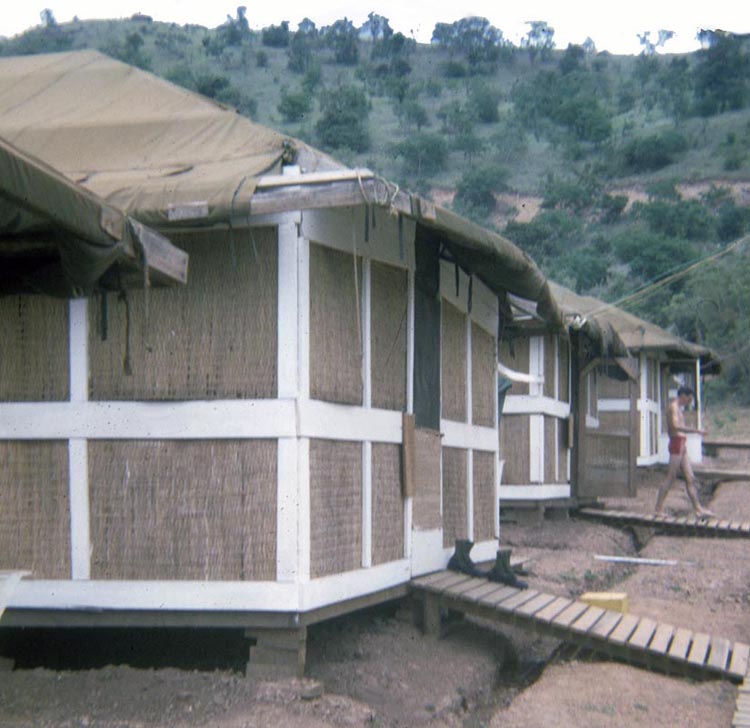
x=677, y=444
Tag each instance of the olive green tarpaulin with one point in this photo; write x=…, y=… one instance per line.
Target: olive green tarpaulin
x=635, y=333
x=154, y=150
x=57, y=237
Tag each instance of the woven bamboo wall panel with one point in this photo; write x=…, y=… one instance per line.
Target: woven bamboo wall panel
x=387, y=504
x=200, y=510
x=455, y=483
x=215, y=338
x=564, y=395
x=550, y=449
x=34, y=360
x=335, y=507
x=388, y=323
x=34, y=509
x=335, y=330
x=550, y=363
x=610, y=388
x=453, y=357
x=485, y=501
x=426, y=512
x=563, y=452
x=614, y=421
x=515, y=449
x=514, y=353
x=483, y=367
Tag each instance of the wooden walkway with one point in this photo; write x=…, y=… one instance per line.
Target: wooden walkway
x=640, y=641
x=683, y=525
x=741, y=717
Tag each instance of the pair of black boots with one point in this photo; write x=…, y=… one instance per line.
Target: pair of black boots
x=501, y=572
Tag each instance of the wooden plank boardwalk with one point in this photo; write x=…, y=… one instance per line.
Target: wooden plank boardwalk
x=679, y=525
x=741, y=717
x=637, y=640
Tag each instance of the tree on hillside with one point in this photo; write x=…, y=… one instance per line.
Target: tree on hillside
x=344, y=116
x=276, y=36
x=539, y=41
x=721, y=74
x=476, y=39
x=342, y=38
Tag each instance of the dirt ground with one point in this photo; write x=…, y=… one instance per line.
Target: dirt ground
x=375, y=669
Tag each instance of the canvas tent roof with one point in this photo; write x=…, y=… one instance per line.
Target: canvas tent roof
x=636, y=333
x=171, y=158
x=56, y=236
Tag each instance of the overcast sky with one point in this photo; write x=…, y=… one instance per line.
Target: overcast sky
x=613, y=26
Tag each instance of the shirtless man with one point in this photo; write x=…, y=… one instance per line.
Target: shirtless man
x=678, y=455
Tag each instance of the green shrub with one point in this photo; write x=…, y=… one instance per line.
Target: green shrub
x=653, y=152
x=294, y=106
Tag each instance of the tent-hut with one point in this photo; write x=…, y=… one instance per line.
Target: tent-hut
x=663, y=361
x=304, y=426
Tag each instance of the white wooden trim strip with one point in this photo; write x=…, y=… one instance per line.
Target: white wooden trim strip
x=469, y=437
x=509, y=492
x=303, y=313
x=331, y=421
x=524, y=404
x=536, y=448
x=216, y=596
x=78, y=489
x=470, y=494
x=614, y=405
x=78, y=339
x=204, y=419
x=340, y=587
x=287, y=356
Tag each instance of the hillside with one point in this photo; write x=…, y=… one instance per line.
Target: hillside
x=613, y=172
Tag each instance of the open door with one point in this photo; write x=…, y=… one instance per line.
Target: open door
x=605, y=443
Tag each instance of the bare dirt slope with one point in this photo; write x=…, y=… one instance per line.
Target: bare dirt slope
x=375, y=668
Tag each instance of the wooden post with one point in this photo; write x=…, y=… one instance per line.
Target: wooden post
x=431, y=623
x=277, y=653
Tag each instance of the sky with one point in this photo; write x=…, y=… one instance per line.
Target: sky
x=613, y=26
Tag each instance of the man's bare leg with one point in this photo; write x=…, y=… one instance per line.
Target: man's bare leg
x=687, y=470
x=674, y=466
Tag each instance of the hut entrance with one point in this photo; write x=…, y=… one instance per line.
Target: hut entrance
x=607, y=441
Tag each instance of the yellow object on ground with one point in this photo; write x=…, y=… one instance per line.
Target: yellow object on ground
x=617, y=601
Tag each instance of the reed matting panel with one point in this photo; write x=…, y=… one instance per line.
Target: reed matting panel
x=34, y=360
x=387, y=504
x=335, y=507
x=513, y=352
x=455, y=483
x=550, y=449
x=34, y=508
x=453, y=357
x=483, y=368
x=610, y=388
x=515, y=449
x=550, y=364
x=389, y=298
x=426, y=508
x=485, y=500
x=335, y=326
x=187, y=509
x=215, y=338
x=564, y=387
